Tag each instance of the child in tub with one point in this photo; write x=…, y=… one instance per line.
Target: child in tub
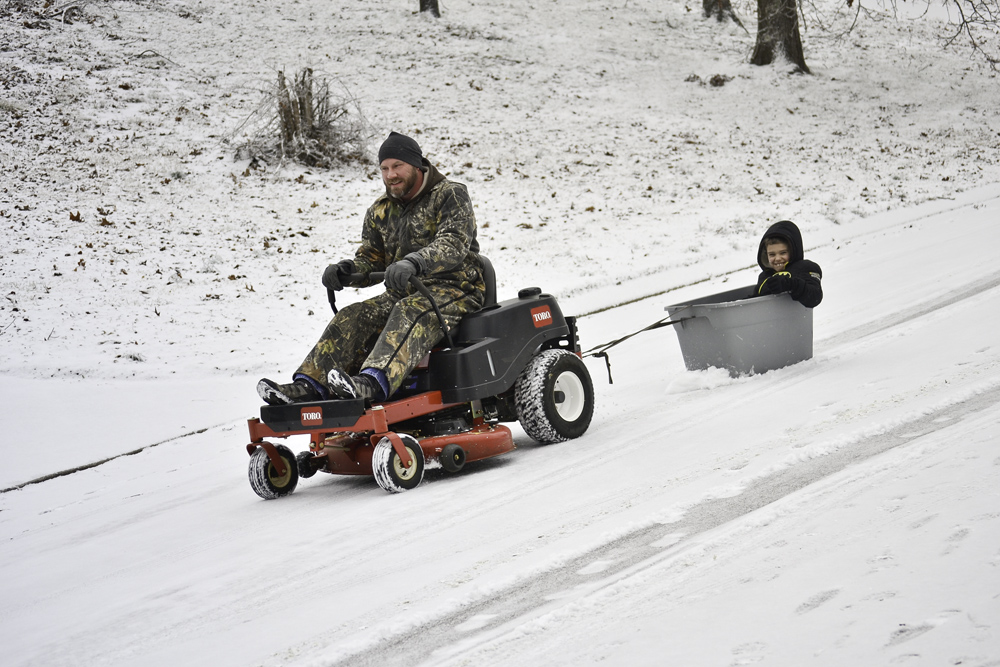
x=780, y=255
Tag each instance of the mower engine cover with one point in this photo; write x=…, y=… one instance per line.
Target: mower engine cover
x=494, y=345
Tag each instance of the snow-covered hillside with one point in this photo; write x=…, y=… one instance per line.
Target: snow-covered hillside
x=840, y=511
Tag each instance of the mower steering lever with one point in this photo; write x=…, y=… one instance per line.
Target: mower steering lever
x=378, y=276
x=349, y=280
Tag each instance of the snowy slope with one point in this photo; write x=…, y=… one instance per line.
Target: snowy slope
x=590, y=156
x=840, y=511
x=794, y=514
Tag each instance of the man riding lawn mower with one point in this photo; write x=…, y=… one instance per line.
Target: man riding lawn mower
x=515, y=360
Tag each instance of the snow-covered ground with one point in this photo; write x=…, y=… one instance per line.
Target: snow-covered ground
x=840, y=511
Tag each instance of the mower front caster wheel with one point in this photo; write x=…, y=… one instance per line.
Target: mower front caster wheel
x=264, y=477
x=390, y=473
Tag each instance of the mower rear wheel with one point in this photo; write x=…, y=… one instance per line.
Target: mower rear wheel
x=554, y=397
x=390, y=473
x=264, y=477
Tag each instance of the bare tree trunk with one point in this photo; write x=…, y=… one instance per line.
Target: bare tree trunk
x=430, y=6
x=295, y=111
x=286, y=113
x=778, y=34
x=304, y=93
x=721, y=10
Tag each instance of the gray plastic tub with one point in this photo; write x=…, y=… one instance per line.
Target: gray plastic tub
x=743, y=335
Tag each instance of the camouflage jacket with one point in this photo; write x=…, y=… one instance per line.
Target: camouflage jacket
x=436, y=230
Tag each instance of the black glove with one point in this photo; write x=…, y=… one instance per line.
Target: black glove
x=777, y=284
x=333, y=276
x=397, y=276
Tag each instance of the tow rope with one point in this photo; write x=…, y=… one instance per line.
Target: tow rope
x=602, y=349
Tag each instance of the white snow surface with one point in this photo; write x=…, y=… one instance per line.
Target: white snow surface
x=841, y=511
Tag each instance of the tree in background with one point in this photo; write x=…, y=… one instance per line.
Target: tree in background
x=722, y=10
x=778, y=36
x=972, y=24
x=975, y=23
x=430, y=6
x=979, y=22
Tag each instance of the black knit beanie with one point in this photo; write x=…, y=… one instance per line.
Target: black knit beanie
x=401, y=147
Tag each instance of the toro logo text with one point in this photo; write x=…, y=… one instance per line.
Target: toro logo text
x=312, y=416
x=542, y=316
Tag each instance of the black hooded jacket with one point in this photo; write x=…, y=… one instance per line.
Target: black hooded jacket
x=800, y=277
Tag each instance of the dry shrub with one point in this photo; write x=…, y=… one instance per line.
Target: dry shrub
x=8, y=7
x=304, y=121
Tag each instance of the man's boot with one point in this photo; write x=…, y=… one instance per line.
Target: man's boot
x=346, y=386
x=299, y=391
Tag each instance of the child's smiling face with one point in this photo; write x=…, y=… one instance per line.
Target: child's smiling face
x=777, y=255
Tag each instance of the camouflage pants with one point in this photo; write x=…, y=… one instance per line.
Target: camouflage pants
x=387, y=333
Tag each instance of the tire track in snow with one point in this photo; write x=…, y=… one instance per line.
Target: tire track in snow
x=915, y=312
x=94, y=464
x=508, y=613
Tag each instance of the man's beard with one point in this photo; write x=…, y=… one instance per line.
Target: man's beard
x=398, y=190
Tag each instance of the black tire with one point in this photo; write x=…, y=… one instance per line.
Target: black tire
x=554, y=397
x=389, y=471
x=452, y=458
x=304, y=464
x=264, y=478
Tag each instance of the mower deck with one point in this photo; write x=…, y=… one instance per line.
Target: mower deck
x=343, y=433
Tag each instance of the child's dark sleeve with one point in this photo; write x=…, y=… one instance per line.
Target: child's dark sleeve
x=807, y=287
x=761, y=277
x=755, y=292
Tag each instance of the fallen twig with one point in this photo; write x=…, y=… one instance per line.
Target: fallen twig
x=148, y=53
